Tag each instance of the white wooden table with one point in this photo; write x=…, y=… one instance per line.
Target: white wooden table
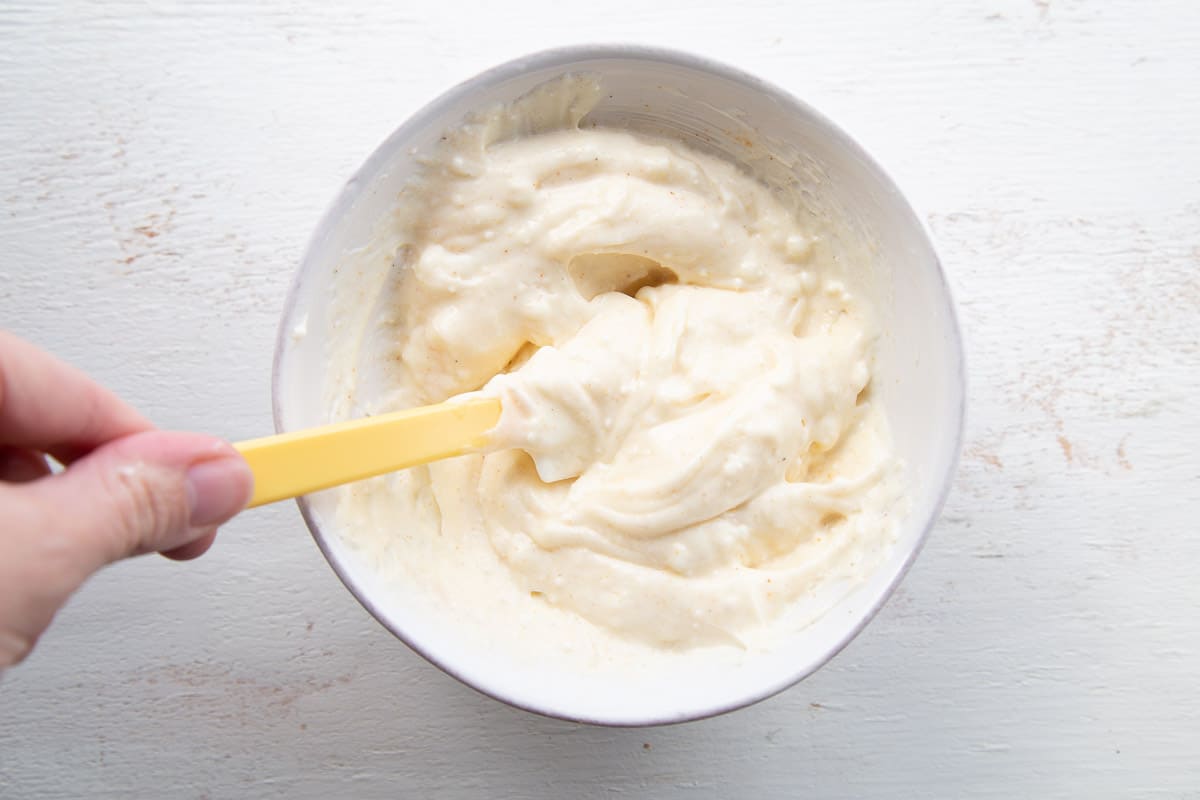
x=162, y=166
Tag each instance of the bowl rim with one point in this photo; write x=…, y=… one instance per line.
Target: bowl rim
x=564, y=56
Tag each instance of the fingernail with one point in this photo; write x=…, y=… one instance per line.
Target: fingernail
x=217, y=489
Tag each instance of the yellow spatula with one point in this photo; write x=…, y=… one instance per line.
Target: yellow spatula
x=300, y=462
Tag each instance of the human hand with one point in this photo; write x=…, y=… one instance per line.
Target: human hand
x=127, y=489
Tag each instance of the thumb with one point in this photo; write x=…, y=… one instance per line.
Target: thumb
x=145, y=492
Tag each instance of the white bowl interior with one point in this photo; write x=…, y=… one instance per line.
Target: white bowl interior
x=919, y=371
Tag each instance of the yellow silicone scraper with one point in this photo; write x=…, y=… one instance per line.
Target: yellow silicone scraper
x=292, y=464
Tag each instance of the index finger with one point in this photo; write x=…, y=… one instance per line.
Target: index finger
x=50, y=406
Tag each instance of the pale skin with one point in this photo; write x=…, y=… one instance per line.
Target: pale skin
x=127, y=489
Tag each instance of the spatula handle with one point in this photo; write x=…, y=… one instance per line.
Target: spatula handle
x=291, y=464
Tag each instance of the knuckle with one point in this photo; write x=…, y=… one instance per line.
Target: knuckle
x=148, y=508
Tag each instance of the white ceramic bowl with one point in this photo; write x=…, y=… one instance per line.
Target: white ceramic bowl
x=919, y=371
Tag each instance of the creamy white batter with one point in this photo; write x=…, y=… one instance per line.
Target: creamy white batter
x=695, y=460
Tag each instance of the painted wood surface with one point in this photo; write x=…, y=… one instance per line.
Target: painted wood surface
x=162, y=166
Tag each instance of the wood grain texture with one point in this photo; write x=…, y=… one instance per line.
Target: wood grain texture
x=161, y=167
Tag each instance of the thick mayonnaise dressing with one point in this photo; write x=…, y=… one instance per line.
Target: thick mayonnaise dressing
x=692, y=458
